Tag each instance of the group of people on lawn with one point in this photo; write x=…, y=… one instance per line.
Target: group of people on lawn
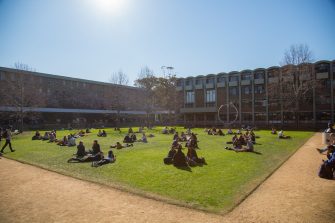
x=96, y=155
x=176, y=156
x=69, y=140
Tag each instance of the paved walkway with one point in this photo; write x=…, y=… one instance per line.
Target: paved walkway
x=293, y=194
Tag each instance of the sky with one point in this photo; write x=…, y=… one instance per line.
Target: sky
x=92, y=39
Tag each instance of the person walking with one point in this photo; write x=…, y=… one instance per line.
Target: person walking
x=7, y=135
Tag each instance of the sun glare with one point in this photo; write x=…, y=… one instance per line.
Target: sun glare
x=114, y=7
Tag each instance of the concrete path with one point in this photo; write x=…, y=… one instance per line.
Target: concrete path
x=293, y=194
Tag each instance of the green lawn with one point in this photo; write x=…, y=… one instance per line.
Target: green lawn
x=217, y=187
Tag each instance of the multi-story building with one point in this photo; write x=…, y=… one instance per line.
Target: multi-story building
x=65, y=100
x=259, y=97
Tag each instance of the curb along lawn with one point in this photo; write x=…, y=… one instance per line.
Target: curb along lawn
x=216, y=187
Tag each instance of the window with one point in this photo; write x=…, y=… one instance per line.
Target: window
x=259, y=75
x=233, y=91
x=246, y=76
x=188, y=82
x=209, y=81
x=233, y=78
x=189, y=97
x=246, y=90
x=198, y=81
x=210, y=96
x=180, y=83
x=259, y=89
x=221, y=79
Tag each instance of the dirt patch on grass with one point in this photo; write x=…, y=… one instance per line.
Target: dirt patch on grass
x=294, y=193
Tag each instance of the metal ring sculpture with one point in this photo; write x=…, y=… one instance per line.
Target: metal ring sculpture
x=231, y=104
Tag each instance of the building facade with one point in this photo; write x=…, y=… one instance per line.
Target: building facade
x=65, y=100
x=260, y=97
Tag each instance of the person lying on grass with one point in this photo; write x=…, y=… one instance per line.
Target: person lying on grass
x=282, y=136
x=248, y=148
x=118, y=145
x=111, y=158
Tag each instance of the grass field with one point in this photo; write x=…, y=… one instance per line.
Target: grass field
x=216, y=187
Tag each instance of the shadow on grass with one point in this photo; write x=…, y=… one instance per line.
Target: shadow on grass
x=186, y=168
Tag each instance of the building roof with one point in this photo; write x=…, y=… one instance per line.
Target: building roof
x=66, y=78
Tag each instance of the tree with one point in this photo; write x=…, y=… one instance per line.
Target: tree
x=119, y=78
x=160, y=92
x=297, y=81
x=19, y=91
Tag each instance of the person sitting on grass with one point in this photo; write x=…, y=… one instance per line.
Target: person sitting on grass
x=95, y=148
x=179, y=159
x=71, y=141
x=252, y=137
x=143, y=139
x=111, y=158
x=230, y=131
x=133, y=137
x=273, y=131
x=102, y=133
x=192, y=157
x=176, y=136
x=52, y=137
x=93, y=155
x=37, y=136
x=248, y=148
x=183, y=137
x=165, y=130
x=127, y=139
x=282, y=136
x=220, y=133
x=118, y=145
x=130, y=130
x=330, y=128
x=46, y=136
x=170, y=155
x=175, y=144
x=238, y=132
x=88, y=130
x=81, y=150
x=151, y=135
x=63, y=142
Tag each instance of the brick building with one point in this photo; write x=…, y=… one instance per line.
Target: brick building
x=65, y=100
x=259, y=97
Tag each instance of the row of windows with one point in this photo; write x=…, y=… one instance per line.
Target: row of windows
x=320, y=68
